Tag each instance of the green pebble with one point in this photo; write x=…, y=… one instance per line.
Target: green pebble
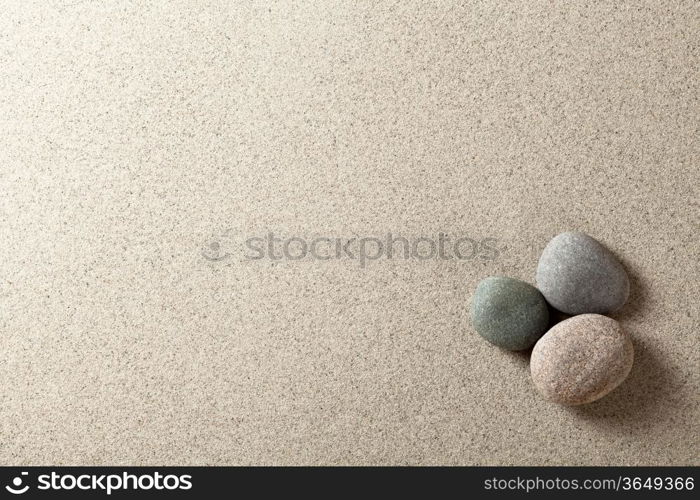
x=509, y=313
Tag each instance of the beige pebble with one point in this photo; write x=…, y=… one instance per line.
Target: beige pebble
x=581, y=359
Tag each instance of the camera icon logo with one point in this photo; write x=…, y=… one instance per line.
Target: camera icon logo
x=17, y=483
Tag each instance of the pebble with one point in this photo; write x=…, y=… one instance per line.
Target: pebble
x=577, y=275
x=509, y=313
x=581, y=359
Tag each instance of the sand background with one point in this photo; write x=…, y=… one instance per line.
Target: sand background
x=134, y=134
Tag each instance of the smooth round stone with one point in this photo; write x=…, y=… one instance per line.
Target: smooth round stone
x=577, y=275
x=581, y=359
x=509, y=313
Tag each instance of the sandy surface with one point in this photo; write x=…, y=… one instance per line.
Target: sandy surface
x=132, y=136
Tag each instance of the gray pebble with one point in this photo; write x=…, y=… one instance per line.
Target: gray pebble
x=576, y=274
x=509, y=313
x=581, y=359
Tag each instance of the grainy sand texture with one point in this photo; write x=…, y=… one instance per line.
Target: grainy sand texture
x=142, y=143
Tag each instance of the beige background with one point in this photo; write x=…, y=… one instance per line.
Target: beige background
x=132, y=134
